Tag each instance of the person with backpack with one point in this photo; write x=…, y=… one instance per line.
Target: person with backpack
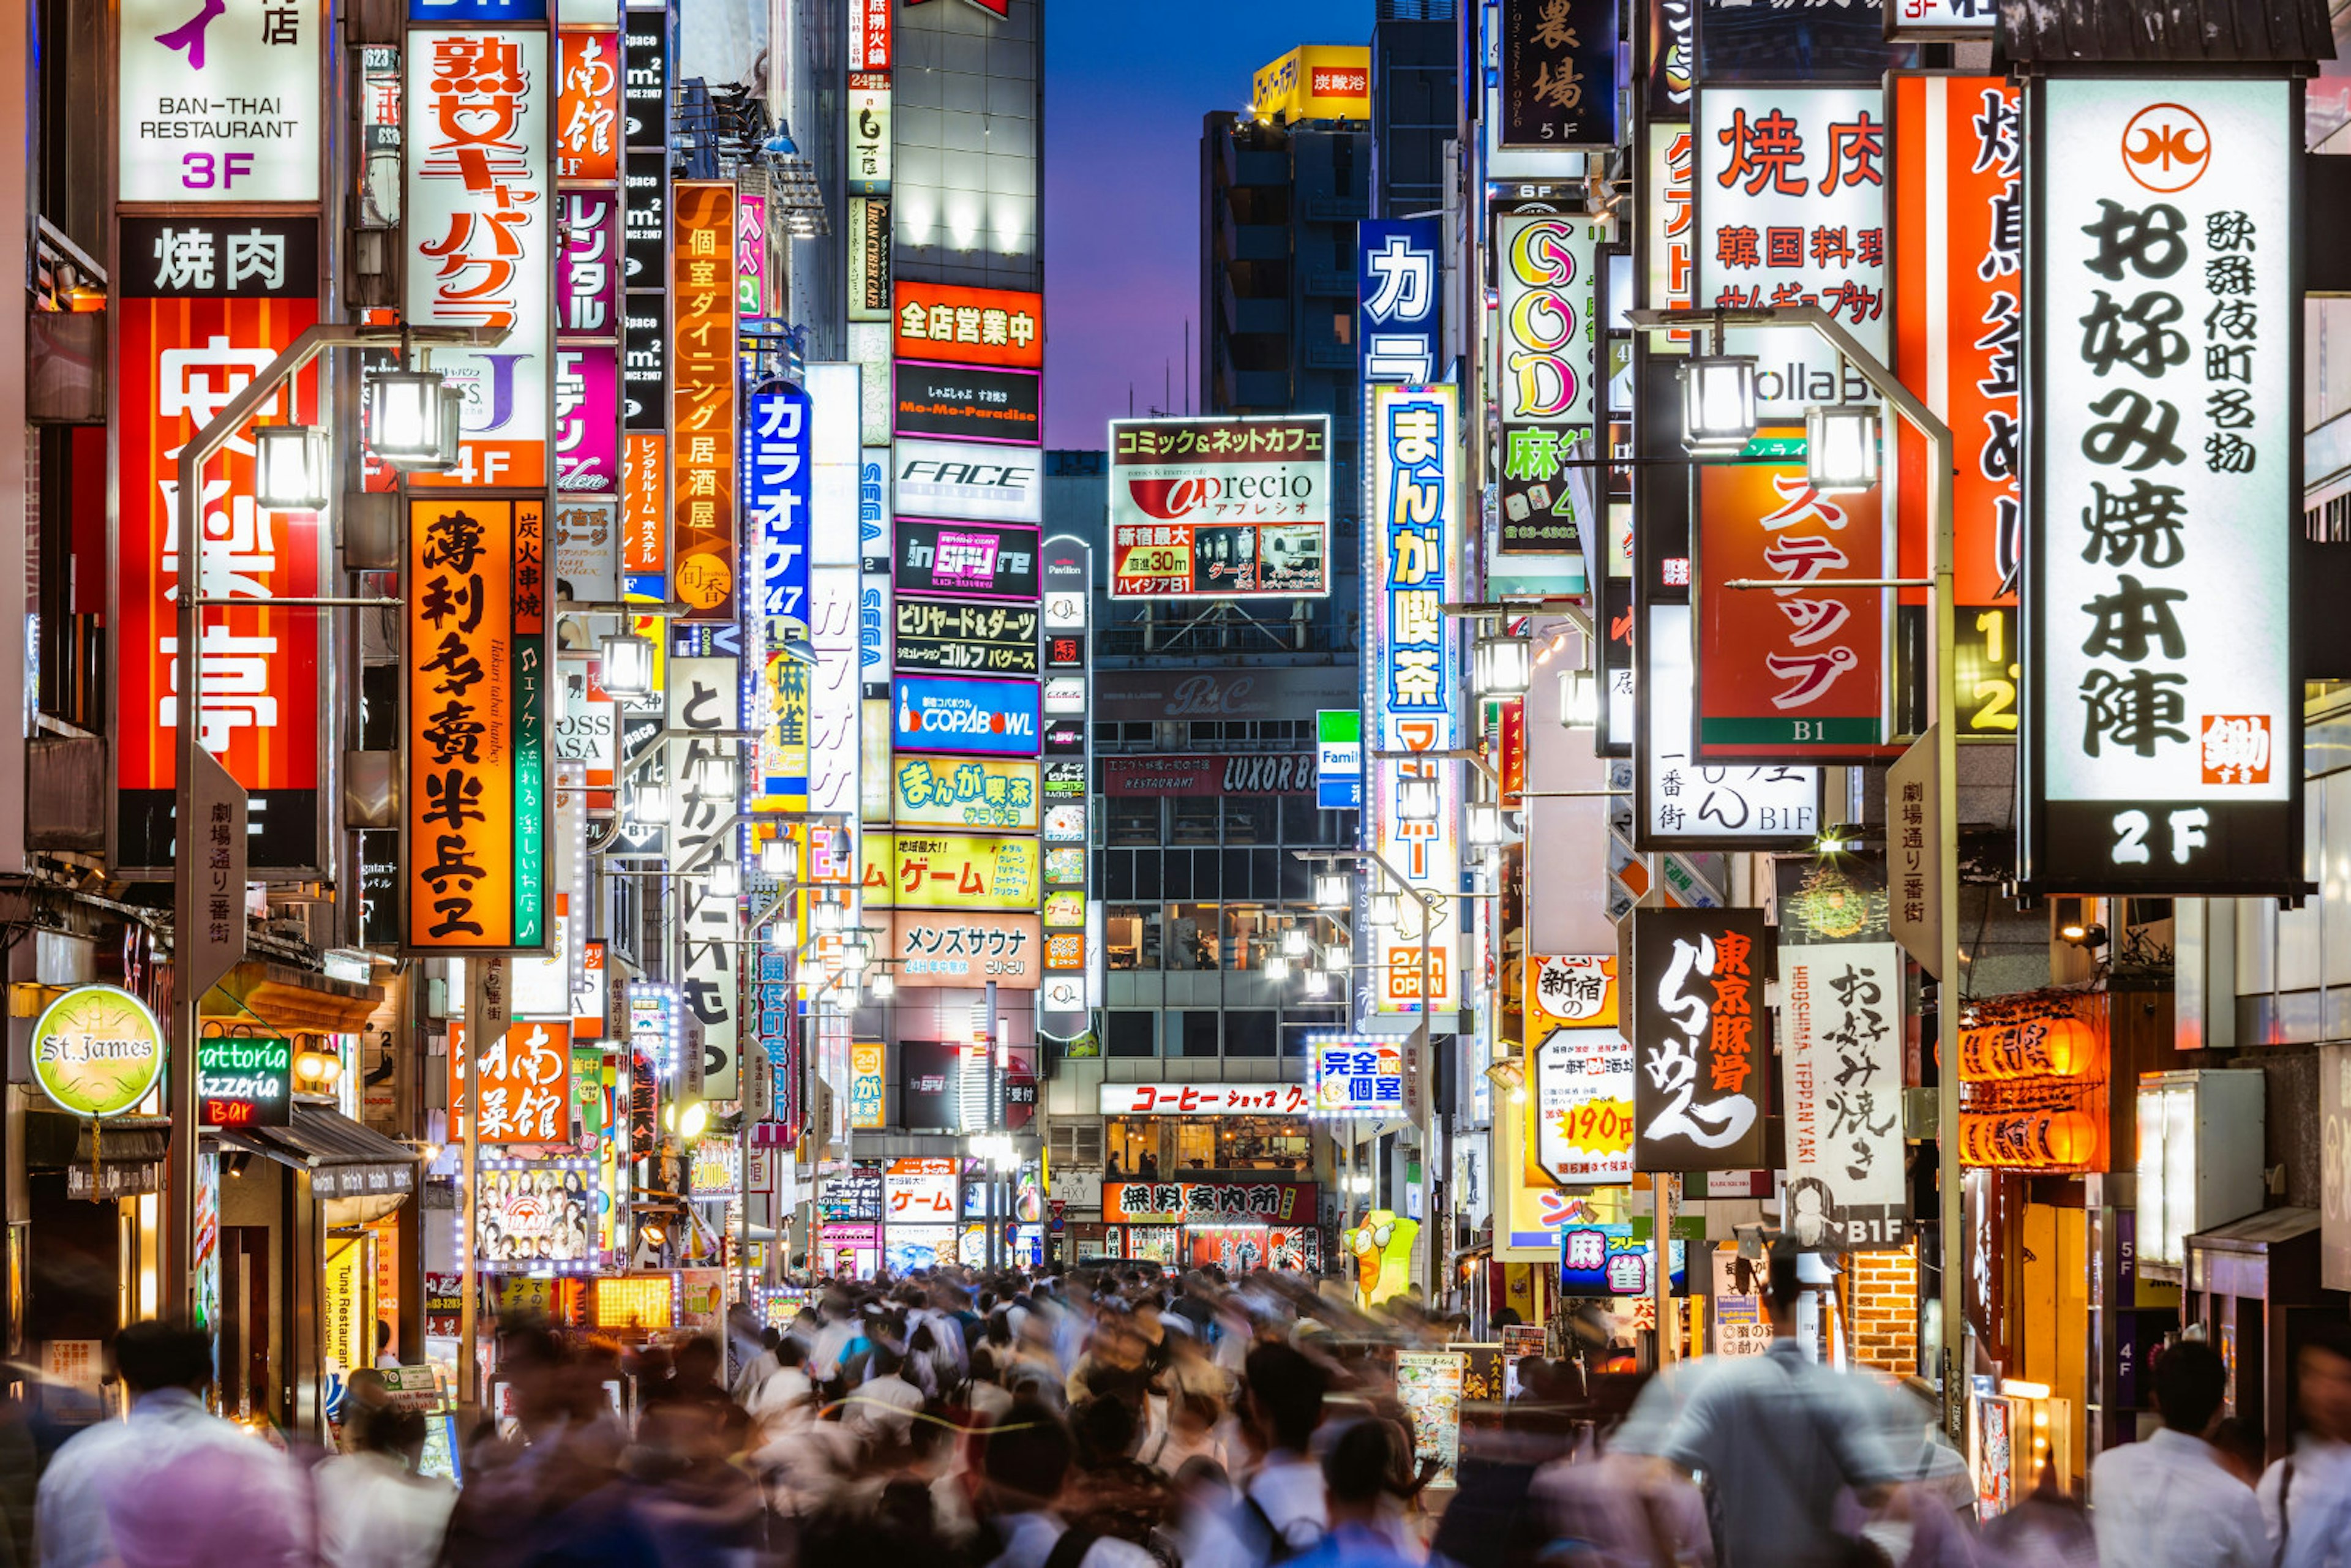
x=1023, y=1466
x=1282, y=1406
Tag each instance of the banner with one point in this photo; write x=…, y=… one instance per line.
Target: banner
x=1701, y=1062
x=1177, y=1202
x=702, y=400
x=995, y=718
x=2162, y=739
x=949, y=871
x=473, y=799
x=965, y=950
x=1841, y=1057
x=1220, y=508
x=206, y=303
x=964, y=792
x=965, y=561
x=1545, y=372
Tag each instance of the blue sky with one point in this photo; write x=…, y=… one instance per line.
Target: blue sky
x=1125, y=85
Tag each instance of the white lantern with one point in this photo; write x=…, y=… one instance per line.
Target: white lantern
x=1416, y=798
x=725, y=878
x=1502, y=666
x=1333, y=890
x=290, y=463
x=1840, y=446
x=1579, y=699
x=1717, y=402
x=627, y=670
x=717, y=776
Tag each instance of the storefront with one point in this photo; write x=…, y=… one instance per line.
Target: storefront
x=1172, y=1129
x=1240, y=1223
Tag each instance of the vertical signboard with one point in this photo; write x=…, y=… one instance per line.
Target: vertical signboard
x=1702, y=1066
x=1412, y=673
x=776, y=469
x=702, y=400
x=1580, y=1107
x=705, y=693
x=1072, y=955
x=588, y=105
x=869, y=258
x=204, y=303
x=481, y=218
x=473, y=796
x=1544, y=373
x=1798, y=672
x=1685, y=805
x=2163, y=715
x=1841, y=1054
x=1791, y=208
x=219, y=102
x=1559, y=73
x=1399, y=307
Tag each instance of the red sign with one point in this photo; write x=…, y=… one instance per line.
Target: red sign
x=1206, y=1100
x=1283, y=774
x=701, y=398
x=177, y=363
x=526, y=1084
x=588, y=108
x=868, y=34
x=1204, y=1202
x=1790, y=674
x=947, y=323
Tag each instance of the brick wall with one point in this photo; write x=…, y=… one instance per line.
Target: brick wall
x=1881, y=1303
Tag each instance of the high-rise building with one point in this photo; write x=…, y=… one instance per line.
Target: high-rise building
x=1416, y=78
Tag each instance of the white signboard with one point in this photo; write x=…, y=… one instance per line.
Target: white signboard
x=2162, y=722
x=869, y=133
x=219, y=100
x=833, y=690
x=705, y=693
x=1972, y=19
x=1841, y=1068
x=968, y=480
x=481, y=228
x=1790, y=189
x=1584, y=1106
x=1205, y=1100
x=1694, y=804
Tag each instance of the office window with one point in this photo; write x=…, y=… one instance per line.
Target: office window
x=1251, y=822
x=1132, y=1032
x=1199, y=1032
x=1196, y=818
x=1192, y=937
x=1248, y=935
x=1130, y=935
x=1134, y=821
x=1248, y=1031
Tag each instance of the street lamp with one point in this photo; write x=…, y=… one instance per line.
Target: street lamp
x=651, y=803
x=824, y=917
x=1579, y=699
x=883, y=986
x=1502, y=666
x=1485, y=824
x=1294, y=942
x=628, y=666
x=782, y=936
x=776, y=857
x=717, y=776
x=1385, y=908
x=1333, y=890
x=1417, y=798
x=1840, y=446
x=1338, y=958
x=414, y=419
x=1717, y=402
x=1318, y=985
x=725, y=878
x=290, y=463
x=1277, y=968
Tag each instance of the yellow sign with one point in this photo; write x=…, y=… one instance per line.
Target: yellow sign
x=865, y=1069
x=97, y=1050
x=1315, y=82
x=345, y=1322
x=964, y=792
x=949, y=871
x=634, y=1301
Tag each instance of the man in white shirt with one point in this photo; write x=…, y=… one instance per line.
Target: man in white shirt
x=787, y=1398
x=882, y=1409
x=171, y=1484
x=1023, y=1463
x=1284, y=1392
x=2166, y=1502
x=2306, y=1497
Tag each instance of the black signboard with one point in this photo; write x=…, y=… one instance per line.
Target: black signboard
x=1669, y=59
x=976, y=560
x=1559, y=73
x=644, y=219
x=644, y=362
x=645, y=86
x=1818, y=46
x=869, y=254
x=1065, y=737
x=1702, y=1065
x=244, y=1081
x=961, y=637
x=965, y=403
x=852, y=1195
x=928, y=1076
x=219, y=258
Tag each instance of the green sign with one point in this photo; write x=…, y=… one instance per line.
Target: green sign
x=244, y=1081
x=97, y=1050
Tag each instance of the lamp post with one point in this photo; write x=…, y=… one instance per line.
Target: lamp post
x=177, y=1271
x=1944, y=727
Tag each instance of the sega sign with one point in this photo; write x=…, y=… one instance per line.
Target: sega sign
x=987, y=719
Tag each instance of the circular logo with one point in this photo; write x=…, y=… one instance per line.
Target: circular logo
x=2165, y=147
x=97, y=1050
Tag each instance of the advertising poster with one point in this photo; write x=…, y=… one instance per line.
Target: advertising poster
x=1582, y=1104
x=991, y=719
x=950, y=871
x=1701, y=1063
x=1219, y=508
x=1428, y=1385
x=965, y=561
x=540, y=1212
x=964, y=792
x=953, y=948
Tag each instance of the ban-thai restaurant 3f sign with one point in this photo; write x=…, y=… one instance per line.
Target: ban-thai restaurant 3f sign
x=1701, y=1067
x=473, y=796
x=2162, y=708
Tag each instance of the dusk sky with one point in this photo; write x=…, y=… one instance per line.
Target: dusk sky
x=1125, y=85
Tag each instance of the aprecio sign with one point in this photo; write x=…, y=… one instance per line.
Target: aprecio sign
x=1219, y=508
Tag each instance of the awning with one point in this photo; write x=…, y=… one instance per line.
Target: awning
x=289, y=1002
x=123, y=1159
x=343, y=1158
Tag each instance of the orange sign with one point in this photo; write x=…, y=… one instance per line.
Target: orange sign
x=702, y=399
x=526, y=1084
x=473, y=802
x=644, y=505
x=949, y=323
x=588, y=106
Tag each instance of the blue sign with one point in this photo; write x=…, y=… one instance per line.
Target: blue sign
x=478, y=10
x=1339, y=759
x=980, y=718
x=1399, y=329
x=776, y=477
x=1607, y=1260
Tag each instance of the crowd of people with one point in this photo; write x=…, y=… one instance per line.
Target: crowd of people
x=1121, y=1417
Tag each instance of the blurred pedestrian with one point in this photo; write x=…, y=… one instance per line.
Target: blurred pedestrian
x=374, y=1510
x=1357, y=1475
x=2165, y=1501
x=1024, y=1467
x=171, y=1486
x=1285, y=1488
x=2305, y=1497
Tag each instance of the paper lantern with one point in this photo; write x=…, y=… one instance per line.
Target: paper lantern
x=2055, y=1140
x=2057, y=1047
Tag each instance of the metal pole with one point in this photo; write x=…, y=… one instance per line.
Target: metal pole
x=1661, y=1189
x=469, y=1279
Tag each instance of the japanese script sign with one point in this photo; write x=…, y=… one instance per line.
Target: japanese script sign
x=2162, y=718
x=1686, y=806
x=214, y=877
x=869, y=133
x=949, y=871
x=587, y=267
x=865, y=1090
x=1543, y=373
x=1206, y=1099
x=868, y=34
x=1610, y=1260
x=588, y=555
x=1914, y=815
x=1357, y=1075
x=1790, y=201
x=588, y=418
x=960, y=949
x=916, y=1190
x=1578, y=991
x=1841, y=1060
x=966, y=560
x=706, y=693
x=947, y=322
x=1412, y=670
x=985, y=482
x=777, y=474
x=588, y=105
x=975, y=639
x=1559, y=73
x=701, y=398
x=482, y=214
x=1701, y=1063
x=1964, y=19
x=939, y=713
x=474, y=800
x=1799, y=672
x=754, y=292
x=965, y=403
x=1672, y=229
x=1399, y=304
x=1219, y=508
x=1175, y=1202
x=245, y=1081
x=206, y=304
x=219, y=102
x=963, y=792
x=526, y=1083
x=1582, y=1106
